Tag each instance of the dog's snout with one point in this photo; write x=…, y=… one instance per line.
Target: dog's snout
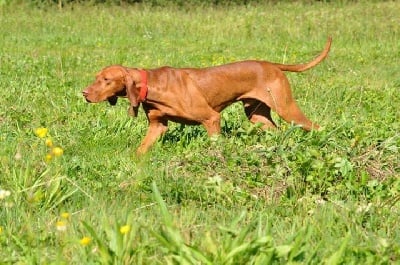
x=85, y=93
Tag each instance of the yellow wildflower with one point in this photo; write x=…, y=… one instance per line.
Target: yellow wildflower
x=125, y=229
x=65, y=215
x=85, y=241
x=1, y=230
x=49, y=142
x=61, y=226
x=57, y=151
x=48, y=157
x=41, y=132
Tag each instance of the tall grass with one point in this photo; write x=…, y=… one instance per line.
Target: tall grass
x=75, y=193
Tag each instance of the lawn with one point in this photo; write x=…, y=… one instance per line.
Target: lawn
x=72, y=190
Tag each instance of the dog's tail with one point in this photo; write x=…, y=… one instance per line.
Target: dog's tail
x=306, y=66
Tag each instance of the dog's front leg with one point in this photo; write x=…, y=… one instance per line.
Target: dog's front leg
x=213, y=124
x=156, y=129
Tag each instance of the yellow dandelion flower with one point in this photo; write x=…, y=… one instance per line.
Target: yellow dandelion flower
x=85, y=241
x=49, y=142
x=41, y=132
x=61, y=226
x=65, y=215
x=48, y=157
x=125, y=229
x=57, y=151
x=1, y=230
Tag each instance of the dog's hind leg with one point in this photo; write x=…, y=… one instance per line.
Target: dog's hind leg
x=292, y=113
x=278, y=96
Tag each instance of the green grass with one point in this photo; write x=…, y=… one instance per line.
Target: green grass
x=248, y=197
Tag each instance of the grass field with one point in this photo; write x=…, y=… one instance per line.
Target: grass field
x=73, y=192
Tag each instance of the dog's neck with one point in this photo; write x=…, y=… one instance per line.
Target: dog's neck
x=143, y=87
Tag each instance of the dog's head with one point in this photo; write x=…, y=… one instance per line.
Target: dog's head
x=113, y=82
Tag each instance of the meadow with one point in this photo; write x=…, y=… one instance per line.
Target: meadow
x=72, y=190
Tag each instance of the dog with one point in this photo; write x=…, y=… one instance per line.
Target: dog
x=198, y=95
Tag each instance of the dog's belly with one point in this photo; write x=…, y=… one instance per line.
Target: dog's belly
x=183, y=120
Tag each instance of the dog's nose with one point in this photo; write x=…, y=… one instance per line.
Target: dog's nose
x=85, y=93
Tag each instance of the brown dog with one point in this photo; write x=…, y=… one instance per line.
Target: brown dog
x=197, y=96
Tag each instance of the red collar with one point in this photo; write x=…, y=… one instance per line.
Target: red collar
x=143, y=88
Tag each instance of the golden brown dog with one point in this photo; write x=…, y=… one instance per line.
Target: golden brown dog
x=197, y=96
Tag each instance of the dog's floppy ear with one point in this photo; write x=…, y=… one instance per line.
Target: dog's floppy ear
x=132, y=94
x=112, y=100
